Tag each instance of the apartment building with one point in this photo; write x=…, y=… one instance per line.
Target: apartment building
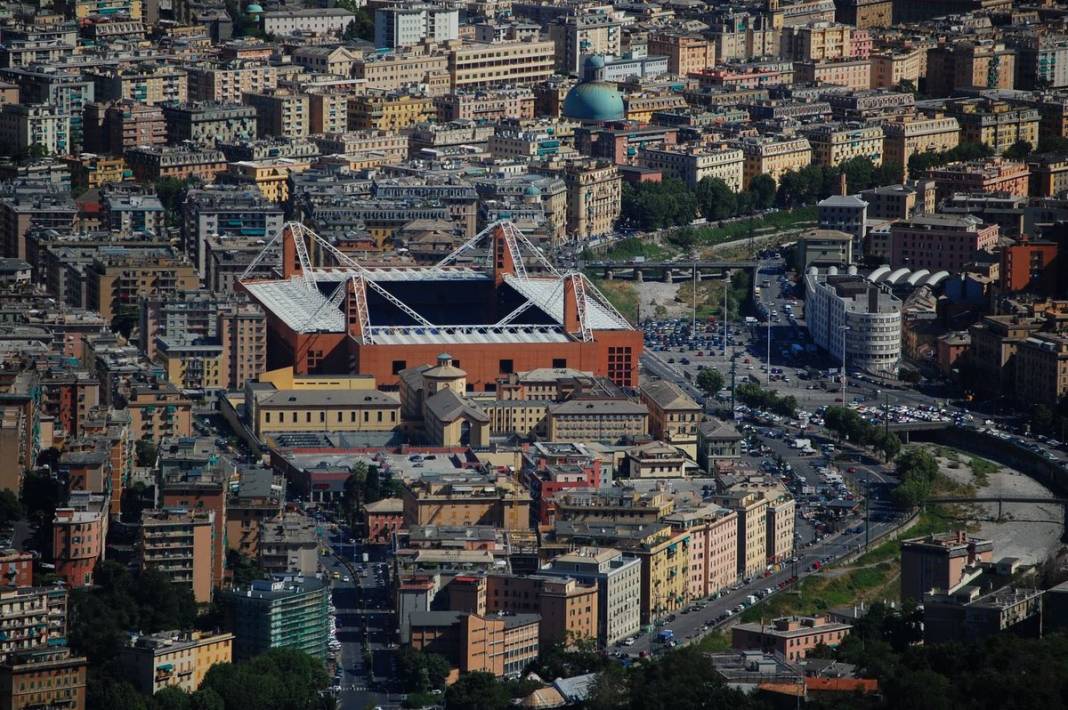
x=228, y=82
x=773, y=156
x=500, y=645
x=943, y=562
x=982, y=64
x=178, y=543
x=685, y=53
x=489, y=65
x=834, y=144
x=713, y=563
x=1042, y=369
x=178, y=659
x=286, y=611
x=403, y=26
x=126, y=125
x=717, y=441
x=597, y=31
x=987, y=175
x=896, y=202
x=940, y=242
x=89, y=171
x=146, y=83
x=335, y=61
x=78, y=538
x=206, y=123
x=43, y=678
x=594, y=198
x=673, y=416
x=606, y=420
x=475, y=501
x=332, y=20
x=400, y=70
x=851, y=312
x=618, y=581
x=908, y=136
x=150, y=164
x=489, y=106
x=122, y=276
x=692, y=165
x=383, y=111
x=852, y=73
x=994, y=123
x=890, y=67
x=328, y=111
x=1029, y=265
x=280, y=112
x=32, y=618
x=816, y=41
x=37, y=126
x=791, y=637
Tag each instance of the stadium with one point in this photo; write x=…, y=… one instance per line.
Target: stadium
x=495, y=304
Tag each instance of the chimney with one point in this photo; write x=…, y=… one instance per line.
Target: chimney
x=842, y=185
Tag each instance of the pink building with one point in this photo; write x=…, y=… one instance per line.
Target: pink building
x=940, y=242
x=860, y=44
x=790, y=636
x=384, y=518
x=713, y=564
x=77, y=543
x=986, y=175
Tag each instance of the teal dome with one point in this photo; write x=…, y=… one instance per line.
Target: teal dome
x=594, y=101
x=595, y=62
x=532, y=191
x=254, y=9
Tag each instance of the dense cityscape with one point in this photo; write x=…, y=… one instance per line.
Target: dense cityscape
x=473, y=354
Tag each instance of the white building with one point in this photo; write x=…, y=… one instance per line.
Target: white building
x=331, y=20
x=397, y=26
x=869, y=315
x=618, y=579
x=846, y=213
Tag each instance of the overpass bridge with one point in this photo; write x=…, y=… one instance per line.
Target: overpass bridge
x=667, y=271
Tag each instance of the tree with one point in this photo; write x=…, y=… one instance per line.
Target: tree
x=243, y=568
x=420, y=672
x=373, y=486
x=477, y=691
x=363, y=26
x=1041, y=418
x=1053, y=144
x=146, y=452
x=172, y=698
x=710, y=381
x=684, y=238
x=37, y=151
x=280, y=679
x=918, y=471
x=651, y=205
x=762, y=189
x=609, y=690
x=10, y=507
x=889, y=445
x=715, y=199
x=1019, y=150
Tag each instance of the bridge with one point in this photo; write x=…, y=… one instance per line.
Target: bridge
x=907, y=427
x=668, y=271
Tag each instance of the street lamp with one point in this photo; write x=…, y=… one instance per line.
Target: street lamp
x=769, y=351
x=844, y=329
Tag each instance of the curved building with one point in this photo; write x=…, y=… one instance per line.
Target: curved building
x=869, y=313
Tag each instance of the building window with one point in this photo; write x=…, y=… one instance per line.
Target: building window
x=506, y=367
x=559, y=362
x=399, y=365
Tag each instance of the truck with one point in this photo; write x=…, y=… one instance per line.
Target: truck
x=665, y=635
x=801, y=444
x=366, y=558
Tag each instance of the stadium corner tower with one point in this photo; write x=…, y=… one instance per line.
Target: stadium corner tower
x=486, y=310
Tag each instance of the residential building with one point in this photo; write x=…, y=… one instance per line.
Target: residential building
x=717, y=441
x=618, y=580
x=1029, y=266
x=491, y=106
x=896, y=202
x=773, y=156
x=1042, y=369
x=500, y=645
x=127, y=125
x=120, y=277
x=908, y=136
x=279, y=112
x=834, y=144
x=983, y=175
x=403, y=26
x=995, y=342
x=43, y=678
x=206, y=123
x=944, y=562
x=994, y=123
x=693, y=164
x=415, y=66
x=854, y=313
x=587, y=32
x=713, y=564
x=969, y=616
x=178, y=543
x=1041, y=61
x=823, y=248
x=891, y=66
x=33, y=618
x=283, y=612
x=594, y=198
x=391, y=112
x=23, y=206
x=815, y=41
x=197, y=482
x=306, y=20
x=852, y=73
x=37, y=126
x=491, y=65
x=842, y=213
x=228, y=212
x=178, y=659
x=89, y=171
x=78, y=540
x=328, y=112
x=940, y=242
x=150, y=164
x=673, y=416
x=791, y=637
x=159, y=411
x=685, y=53
x=982, y=64
x=146, y=82
x=227, y=83
x=466, y=501
x=336, y=61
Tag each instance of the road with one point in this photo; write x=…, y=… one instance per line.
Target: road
x=361, y=596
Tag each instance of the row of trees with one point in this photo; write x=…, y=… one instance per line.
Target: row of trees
x=755, y=396
x=849, y=425
x=917, y=470
x=920, y=163
x=671, y=203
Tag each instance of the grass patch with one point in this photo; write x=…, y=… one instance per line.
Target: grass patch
x=633, y=247
x=981, y=470
x=711, y=236
x=820, y=593
x=714, y=643
x=621, y=294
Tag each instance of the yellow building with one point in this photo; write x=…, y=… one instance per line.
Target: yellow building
x=89, y=171
x=773, y=156
x=640, y=107
x=284, y=378
x=752, y=510
x=485, y=65
x=693, y=164
x=892, y=66
x=832, y=145
x=146, y=83
x=594, y=198
x=178, y=659
x=402, y=67
x=270, y=176
x=85, y=8
x=466, y=500
x=816, y=41
x=686, y=53
x=673, y=415
x=911, y=135
x=193, y=365
x=854, y=73
x=389, y=112
x=997, y=124
x=322, y=410
x=597, y=420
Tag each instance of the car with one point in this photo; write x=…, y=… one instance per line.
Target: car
x=851, y=469
x=628, y=642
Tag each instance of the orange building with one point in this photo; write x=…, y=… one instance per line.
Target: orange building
x=791, y=637
x=384, y=518
x=492, y=322
x=1029, y=266
x=77, y=543
x=501, y=645
x=16, y=568
x=200, y=493
x=49, y=677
